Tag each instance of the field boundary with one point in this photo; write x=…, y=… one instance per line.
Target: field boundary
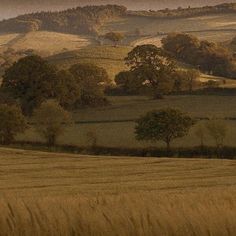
x=204, y=152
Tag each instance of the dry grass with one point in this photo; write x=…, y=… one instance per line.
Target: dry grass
x=108, y=57
x=151, y=26
x=129, y=215
x=5, y=38
x=61, y=194
x=45, y=43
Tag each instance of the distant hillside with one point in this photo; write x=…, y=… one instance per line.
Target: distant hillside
x=80, y=20
x=88, y=20
x=188, y=12
x=11, y=8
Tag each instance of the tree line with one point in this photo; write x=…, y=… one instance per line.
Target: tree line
x=32, y=80
x=209, y=57
x=187, y=12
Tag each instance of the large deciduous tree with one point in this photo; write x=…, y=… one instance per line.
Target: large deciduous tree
x=92, y=81
x=163, y=125
x=68, y=90
x=127, y=81
x=32, y=80
x=151, y=67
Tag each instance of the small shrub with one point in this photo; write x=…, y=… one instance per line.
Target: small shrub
x=50, y=120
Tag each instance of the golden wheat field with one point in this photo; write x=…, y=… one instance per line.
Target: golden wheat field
x=65, y=194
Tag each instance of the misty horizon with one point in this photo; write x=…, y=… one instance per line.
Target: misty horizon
x=13, y=8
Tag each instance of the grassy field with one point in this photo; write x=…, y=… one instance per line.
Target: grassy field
x=130, y=108
x=43, y=42
x=63, y=194
x=109, y=57
x=222, y=25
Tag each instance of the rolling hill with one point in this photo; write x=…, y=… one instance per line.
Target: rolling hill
x=44, y=43
x=108, y=57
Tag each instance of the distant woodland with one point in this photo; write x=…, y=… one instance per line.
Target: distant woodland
x=87, y=20
x=80, y=20
x=188, y=12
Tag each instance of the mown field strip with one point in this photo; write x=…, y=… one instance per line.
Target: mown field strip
x=37, y=173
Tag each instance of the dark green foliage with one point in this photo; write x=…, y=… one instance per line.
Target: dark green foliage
x=31, y=80
x=163, y=125
x=127, y=82
x=78, y=20
x=184, y=80
x=12, y=122
x=92, y=81
x=68, y=91
x=152, y=68
x=50, y=120
x=206, y=56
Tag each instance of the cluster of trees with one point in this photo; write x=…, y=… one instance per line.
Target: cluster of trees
x=83, y=20
x=49, y=121
x=206, y=56
x=152, y=70
x=187, y=12
x=169, y=124
x=32, y=89
x=32, y=80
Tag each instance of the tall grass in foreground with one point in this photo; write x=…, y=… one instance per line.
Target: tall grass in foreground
x=209, y=213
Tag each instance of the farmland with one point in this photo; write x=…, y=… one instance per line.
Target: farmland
x=108, y=57
x=50, y=192
x=148, y=196
x=43, y=42
x=124, y=110
x=214, y=27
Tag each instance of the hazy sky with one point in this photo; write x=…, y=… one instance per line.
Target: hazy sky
x=10, y=8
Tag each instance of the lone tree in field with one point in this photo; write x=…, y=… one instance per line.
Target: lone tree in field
x=31, y=80
x=152, y=67
x=50, y=121
x=12, y=122
x=114, y=37
x=163, y=125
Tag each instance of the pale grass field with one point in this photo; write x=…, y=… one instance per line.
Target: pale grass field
x=149, y=25
x=64, y=194
x=121, y=134
x=108, y=57
x=5, y=38
x=212, y=36
x=44, y=42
